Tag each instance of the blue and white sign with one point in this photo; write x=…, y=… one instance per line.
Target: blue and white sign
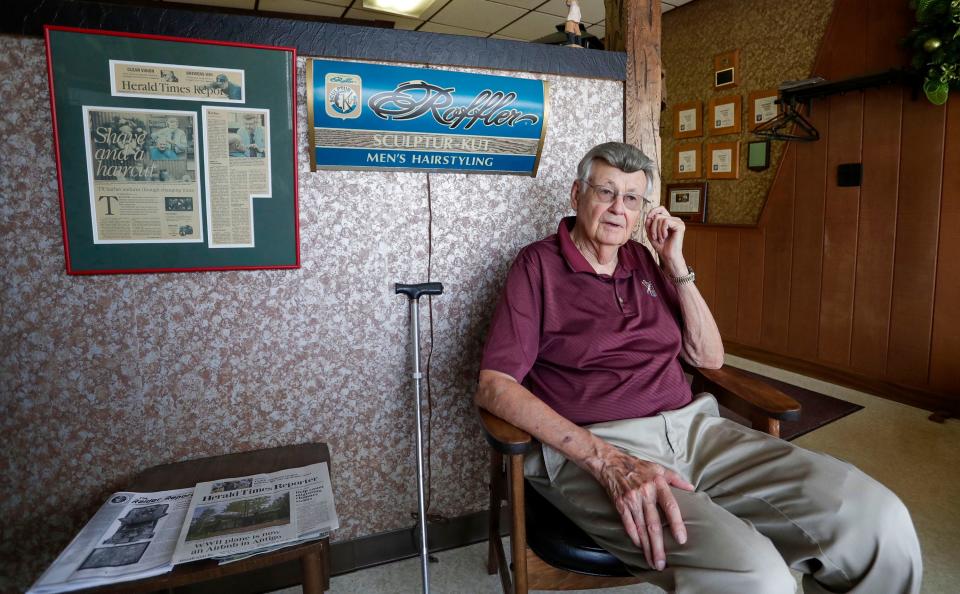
x=369, y=116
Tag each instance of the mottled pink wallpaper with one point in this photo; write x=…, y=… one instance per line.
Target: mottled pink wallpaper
x=102, y=377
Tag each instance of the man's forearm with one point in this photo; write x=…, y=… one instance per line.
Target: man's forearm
x=504, y=397
x=702, y=344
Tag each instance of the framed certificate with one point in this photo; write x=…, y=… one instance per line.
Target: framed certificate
x=763, y=107
x=687, y=159
x=723, y=160
x=723, y=115
x=688, y=119
x=687, y=201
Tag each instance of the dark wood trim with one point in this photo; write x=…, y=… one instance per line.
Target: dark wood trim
x=929, y=400
x=311, y=36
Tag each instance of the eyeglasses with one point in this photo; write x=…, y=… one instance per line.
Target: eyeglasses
x=607, y=196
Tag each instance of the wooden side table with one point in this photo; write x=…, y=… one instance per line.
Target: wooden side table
x=314, y=556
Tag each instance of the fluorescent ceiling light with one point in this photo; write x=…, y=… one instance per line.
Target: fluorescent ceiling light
x=410, y=8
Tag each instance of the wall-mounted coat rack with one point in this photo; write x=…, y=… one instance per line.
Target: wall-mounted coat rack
x=790, y=124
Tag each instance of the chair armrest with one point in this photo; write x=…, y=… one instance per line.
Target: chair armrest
x=502, y=436
x=746, y=395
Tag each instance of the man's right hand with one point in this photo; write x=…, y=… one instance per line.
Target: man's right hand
x=637, y=488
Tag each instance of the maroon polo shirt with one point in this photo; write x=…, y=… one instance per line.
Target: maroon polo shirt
x=594, y=347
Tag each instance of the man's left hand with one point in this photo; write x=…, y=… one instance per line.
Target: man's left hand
x=665, y=233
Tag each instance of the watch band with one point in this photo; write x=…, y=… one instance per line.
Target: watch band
x=686, y=278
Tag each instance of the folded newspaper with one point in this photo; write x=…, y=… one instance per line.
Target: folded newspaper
x=139, y=535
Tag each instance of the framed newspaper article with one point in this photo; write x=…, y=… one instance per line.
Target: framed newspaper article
x=173, y=154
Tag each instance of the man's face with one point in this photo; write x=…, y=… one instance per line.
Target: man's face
x=173, y=123
x=250, y=125
x=607, y=224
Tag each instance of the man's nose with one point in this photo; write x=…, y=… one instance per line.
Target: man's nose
x=617, y=206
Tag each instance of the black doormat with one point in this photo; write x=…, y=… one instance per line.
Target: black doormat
x=817, y=409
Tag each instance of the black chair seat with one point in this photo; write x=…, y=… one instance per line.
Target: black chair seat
x=561, y=543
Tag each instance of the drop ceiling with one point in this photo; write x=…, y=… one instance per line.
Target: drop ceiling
x=521, y=20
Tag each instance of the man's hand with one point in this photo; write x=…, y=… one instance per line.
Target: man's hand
x=637, y=488
x=665, y=233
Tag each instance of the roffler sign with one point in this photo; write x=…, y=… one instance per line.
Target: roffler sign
x=369, y=116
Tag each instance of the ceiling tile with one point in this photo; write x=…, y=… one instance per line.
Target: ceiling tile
x=432, y=27
x=399, y=22
x=530, y=4
x=246, y=4
x=477, y=15
x=432, y=9
x=591, y=11
x=301, y=7
x=343, y=3
x=533, y=26
x=498, y=36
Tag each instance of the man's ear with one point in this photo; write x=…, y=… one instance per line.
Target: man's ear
x=575, y=195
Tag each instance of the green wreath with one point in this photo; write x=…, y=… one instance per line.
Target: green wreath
x=935, y=41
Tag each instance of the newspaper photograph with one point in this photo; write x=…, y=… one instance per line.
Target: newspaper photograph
x=142, y=175
x=237, y=168
x=131, y=537
x=176, y=81
x=233, y=516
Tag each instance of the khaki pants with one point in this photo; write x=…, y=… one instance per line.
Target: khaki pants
x=761, y=506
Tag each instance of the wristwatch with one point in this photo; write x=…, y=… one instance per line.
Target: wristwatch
x=689, y=277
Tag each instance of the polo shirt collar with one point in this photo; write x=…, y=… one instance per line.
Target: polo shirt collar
x=626, y=262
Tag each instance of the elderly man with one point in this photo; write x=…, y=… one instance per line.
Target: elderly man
x=169, y=143
x=252, y=135
x=584, y=353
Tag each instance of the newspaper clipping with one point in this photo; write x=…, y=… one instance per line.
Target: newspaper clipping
x=237, y=168
x=230, y=517
x=176, y=81
x=142, y=175
x=132, y=536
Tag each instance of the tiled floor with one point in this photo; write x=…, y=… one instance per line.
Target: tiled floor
x=894, y=443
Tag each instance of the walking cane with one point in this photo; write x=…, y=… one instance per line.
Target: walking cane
x=413, y=293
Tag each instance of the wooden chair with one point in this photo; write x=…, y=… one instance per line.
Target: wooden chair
x=550, y=552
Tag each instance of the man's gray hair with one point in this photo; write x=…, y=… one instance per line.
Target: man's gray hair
x=625, y=157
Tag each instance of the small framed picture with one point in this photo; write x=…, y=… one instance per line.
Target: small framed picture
x=687, y=201
x=725, y=68
x=688, y=119
x=763, y=107
x=723, y=115
x=723, y=160
x=758, y=155
x=687, y=161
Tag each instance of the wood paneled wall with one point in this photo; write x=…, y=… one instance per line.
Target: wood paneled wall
x=860, y=285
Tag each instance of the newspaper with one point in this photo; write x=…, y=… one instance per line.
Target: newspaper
x=237, y=159
x=132, y=536
x=234, y=516
x=176, y=81
x=142, y=175
x=140, y=535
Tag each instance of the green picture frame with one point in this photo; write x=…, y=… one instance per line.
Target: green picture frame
x=758, y=155
x=147, y=132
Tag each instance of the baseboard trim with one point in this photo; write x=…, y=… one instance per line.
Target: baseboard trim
x=386, y=547
x=929, y=400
